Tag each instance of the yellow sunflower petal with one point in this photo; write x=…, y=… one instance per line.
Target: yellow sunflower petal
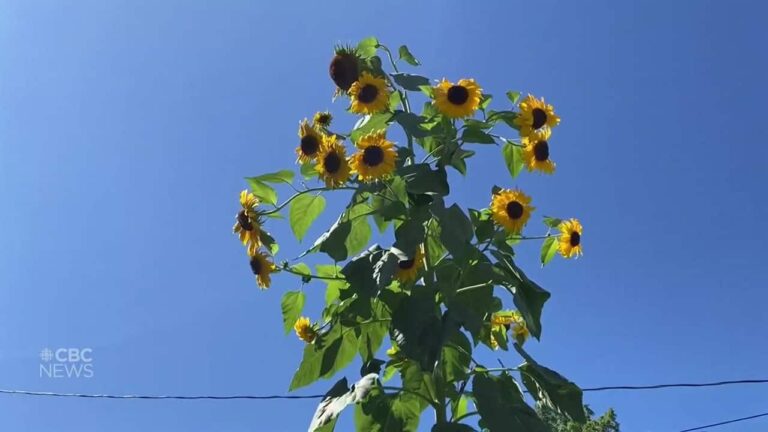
x=569, y=245
x=332, y=164
x=511, y=209
x=457, y=100
x=369, y=94
x=375, y=158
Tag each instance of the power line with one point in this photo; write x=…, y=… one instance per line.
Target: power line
x=662, y=386
x=272, y=397
x=725, y=422
x=155, y=397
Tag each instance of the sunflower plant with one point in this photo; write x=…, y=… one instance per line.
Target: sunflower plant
x=417, y=309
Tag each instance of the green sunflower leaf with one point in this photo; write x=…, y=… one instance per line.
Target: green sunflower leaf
x=405, y=54
x=308, y=170
x=421, y=179
x=513, y=156
x=263, y=191
x=552, y=389
x=411, y=124
x=410, y=82
x=548, y=249
x=529, y=297
x=284, y=176
x=501, y=405
x=507, y=117
x=485, y=101
x=370, y=123
x=303, y=211
x=381, y=412
x=513, y=96
x=292, y=304
x=552, y=222
x=330, y=353
x=367, y=47
x=473, y=134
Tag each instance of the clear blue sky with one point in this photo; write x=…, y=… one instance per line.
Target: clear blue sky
x=126, y=128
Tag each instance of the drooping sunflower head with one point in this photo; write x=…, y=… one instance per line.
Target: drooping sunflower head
x=375, y=158
x=322, y=119
x=304, y=330
x=458, y=100
x=247, y=223
x=310, y=140
x=345, y=67
x=535, y=114
x=408, y=269
x=262, y=268
x=511, y=209
x=509, y=320
x=536, y=151
x=332, y=164
x=570, y=238
x=369, y=94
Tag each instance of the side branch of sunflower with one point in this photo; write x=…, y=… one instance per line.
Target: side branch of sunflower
x=431, y=293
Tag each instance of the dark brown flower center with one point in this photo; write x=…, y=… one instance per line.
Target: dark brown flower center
x=514, y=210
x=373, y=156
x=368, y=93
x=344, y=71
x=244, y=221
x=539, y=118
x=256, y=265
x=309, y=145
x=458, y=95
x=332, y=163
x=324, y=119
x=541, y=151
x=575, y=239
x=406, y=264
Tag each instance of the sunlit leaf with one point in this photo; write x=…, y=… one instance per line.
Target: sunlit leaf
x=405, y=54
x=548, y=249
x=513, y=156
x=292, y=304
x=263, y=191
x=367, y=47
x=303, y=211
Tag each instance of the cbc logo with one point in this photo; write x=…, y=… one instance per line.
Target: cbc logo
x=66, y=363
x=74, y=355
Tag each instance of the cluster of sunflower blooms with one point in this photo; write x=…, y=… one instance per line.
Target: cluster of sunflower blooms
x=374, y=159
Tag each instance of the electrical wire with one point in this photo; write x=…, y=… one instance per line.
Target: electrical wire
x=725, y=422
x=271, y=397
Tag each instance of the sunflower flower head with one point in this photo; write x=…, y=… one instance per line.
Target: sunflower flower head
x=304, y=330
x=509, y=320
x=408, y=270
x=511, y=209
x=322, y=119
x=369, y=95
x=535, y=114
x=345, y=67
x=332, y=164
x=536, y=151
x=458, y=100
x=375, y=158
x=310, y=140
x=247, y=223
x=262, y=268
x=570, y=238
